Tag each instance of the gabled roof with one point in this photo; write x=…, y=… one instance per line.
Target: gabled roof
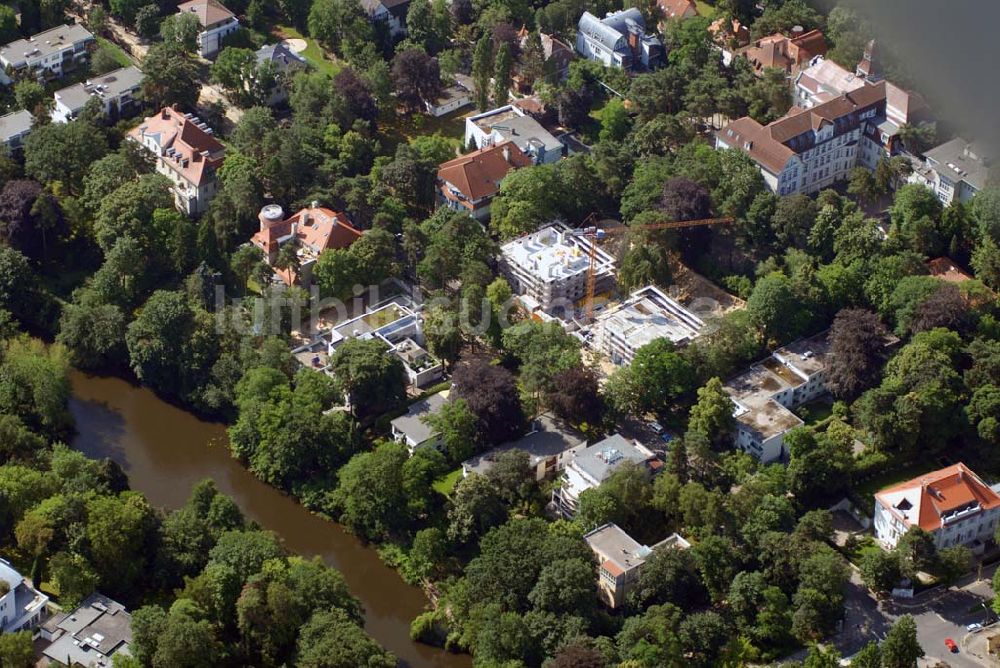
x=185, y=144
x=928, y=500
x=478, y=174
x=751, y=137
x=209, y=12
x=280, y=55
x=678, y=9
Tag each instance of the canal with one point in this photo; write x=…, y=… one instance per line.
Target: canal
x=165, y=451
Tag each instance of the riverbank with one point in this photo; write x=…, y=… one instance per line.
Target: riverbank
x=165, y=451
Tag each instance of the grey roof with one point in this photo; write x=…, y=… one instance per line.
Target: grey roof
x=626, y=21
x=100, y=626
x=412, y=425
x=601, y=459
x=14, y=124
x=109, y=85
x=523, y=129
x=550, y=438
x=280, y=55
x=966, y=157
x=45, y=43
x=594, y=28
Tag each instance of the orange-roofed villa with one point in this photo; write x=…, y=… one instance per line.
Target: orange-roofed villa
x=313, y=230
x=952, y=504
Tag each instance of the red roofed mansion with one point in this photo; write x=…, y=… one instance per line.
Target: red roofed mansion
x=312, y=230
x=469, y=183
x=952, y=504
x=186, y=152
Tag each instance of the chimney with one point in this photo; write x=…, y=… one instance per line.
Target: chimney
x=314, y=204
x=797, y=31
x=506, y=153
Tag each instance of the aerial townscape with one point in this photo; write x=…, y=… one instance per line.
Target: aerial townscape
x=494, y=334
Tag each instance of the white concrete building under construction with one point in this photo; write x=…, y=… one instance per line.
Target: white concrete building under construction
x=549, y=268
x=647, y=315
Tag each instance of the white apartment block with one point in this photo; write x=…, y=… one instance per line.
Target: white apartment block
x=548, y=270
x=216, y=21
x=14, y=128
x=952, y=504
x=764, y=395
x=591, y=466
x=22, y=607
x=620, y=558
x=48, y=54
x=647, y=315
x=115, y=90
x=809, y=150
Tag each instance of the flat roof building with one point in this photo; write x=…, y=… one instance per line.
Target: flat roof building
x=91, y=635
x=550, y=445
x=620, y=558
x=116, y=91
x=511, y=123
x=765, y=393
x=49, y=54
x=646, y=316
x=549, y=269
x=14, y=127
x=591, y=466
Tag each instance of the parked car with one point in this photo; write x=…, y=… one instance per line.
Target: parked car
x=656, y=427
x=950, y=644
x=973, y=627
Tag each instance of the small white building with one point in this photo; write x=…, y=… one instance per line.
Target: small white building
x=389, y=13
x=115, y=90
x=412, y=431
x=48, y=54
x=22, y=607
x=952, y=504
x=764, y=395
x=548, y=270
x=511, y=123
x=620, y=558
x=217, y=23
x=591, y=466
x=14, y=128
x=647, y=315
x=618, y=40
x=955, y=170
x=453, y=98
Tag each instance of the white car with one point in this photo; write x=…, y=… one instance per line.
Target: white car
x=973, y=627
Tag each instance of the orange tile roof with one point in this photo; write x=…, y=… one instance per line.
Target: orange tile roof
x=478, y=174
x=186, y=148
x=612, y=567
x=946, y=269
x=316, y=228
x=674, y=9
x=937, y=494
x=786, y=52
x=209, y=12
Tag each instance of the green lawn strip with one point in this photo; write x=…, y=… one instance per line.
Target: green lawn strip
x=446, y=485
x=314, y=53
x=705, y=9
x=121, y=57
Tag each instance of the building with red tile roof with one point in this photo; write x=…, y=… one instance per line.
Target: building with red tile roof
x=469, y=183
x=312, y=230
x=952, y=504
x=186, y=152
x=947, y=270
x=788, y=54
x=677, y=9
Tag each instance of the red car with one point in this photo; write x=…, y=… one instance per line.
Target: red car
x=950, y=644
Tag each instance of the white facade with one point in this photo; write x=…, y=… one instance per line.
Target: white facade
x=22, y=607
x=511, y=123
x=14, y=128
x=620, y=558
x=618, y=40
x=591, y=466
x=49, y=54
x=647, y=315
x=955, y=170
x=115, y=90
x=550, y=267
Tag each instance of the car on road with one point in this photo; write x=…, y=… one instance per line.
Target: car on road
x=950, y=644
x=973, y=627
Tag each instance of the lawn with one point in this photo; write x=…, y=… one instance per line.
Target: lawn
x=120, y=56
x=705, y=9
x=446, y=485
x=815, y=411
x=867, y=488
x=314, y=53
x=405, y=127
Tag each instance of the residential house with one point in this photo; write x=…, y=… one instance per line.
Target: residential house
x=590, y=467
x=764, y=395
x=453, y=97
x=91, y=635
x=956, y=169
x=786, y=53
x=286, y=64
x=22, y=607
x=48, y=54
x=619, y=40
x=216, y=21
x=512, y=123
x=469, y=182
x=677, y=9
x=620, y=558
x=14, y=128
x=311, y=231
x=646, y=316
x=947, y=270
x=809, y=150
x=388, y=13
x=550, y=444
x=411, y=429
x=728, y=36
x=952, y=504
x=186, y=152
x=556, y=55
x=396, y=322
x=116, y=91
x=548, y=270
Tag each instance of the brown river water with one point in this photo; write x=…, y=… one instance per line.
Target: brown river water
x=165, y=451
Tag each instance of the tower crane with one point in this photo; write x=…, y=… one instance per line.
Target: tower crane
x=596, y=234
